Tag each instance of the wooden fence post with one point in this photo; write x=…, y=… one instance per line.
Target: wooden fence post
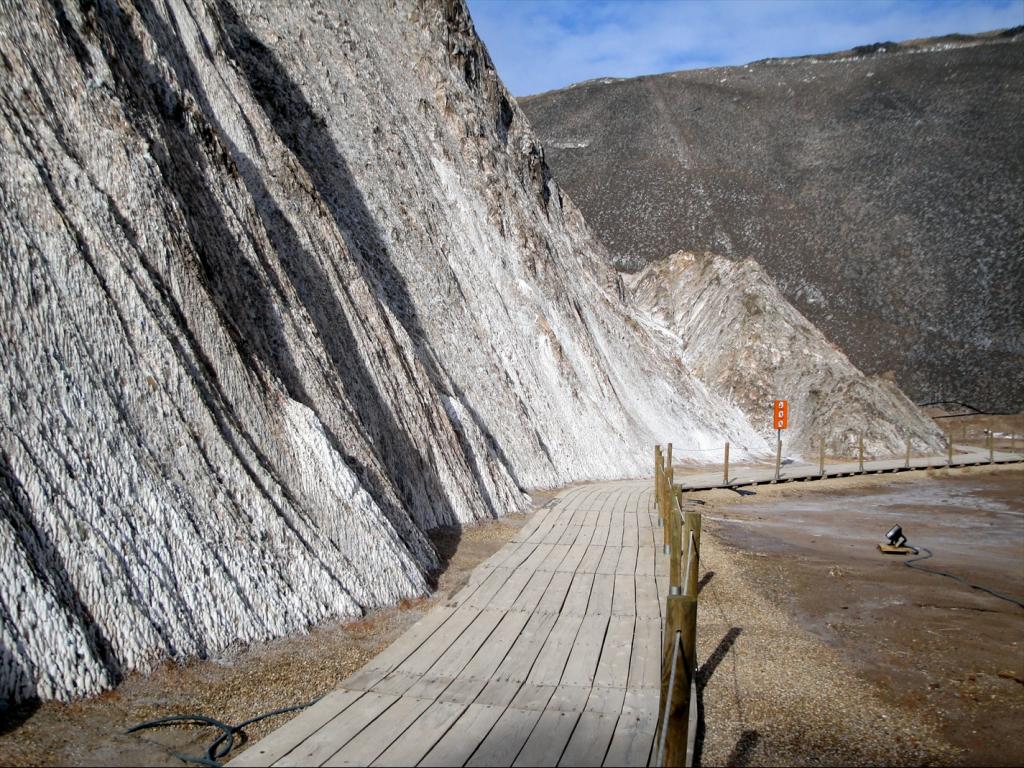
x=821, y=461
x=693, y=523
x=991, y=446
x=860, y=450
x=680, y=627
x=657, y=481
x=906, y=463
x=675, y=565
x=950, y=441
x=725, y=470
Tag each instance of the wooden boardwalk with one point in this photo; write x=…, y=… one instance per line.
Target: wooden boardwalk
x=963, y=456
x=551, y=655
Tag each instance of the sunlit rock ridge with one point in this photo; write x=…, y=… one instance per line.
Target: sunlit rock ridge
x=881, y=188
x=283, y=287
x=743, y=339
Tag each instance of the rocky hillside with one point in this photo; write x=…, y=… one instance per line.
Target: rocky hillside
x=285, y=286
x=744, y=340
x=881, y=188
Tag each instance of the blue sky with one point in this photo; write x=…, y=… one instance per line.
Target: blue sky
x=538, y=45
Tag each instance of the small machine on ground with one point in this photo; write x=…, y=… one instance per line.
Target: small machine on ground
x=896, y=543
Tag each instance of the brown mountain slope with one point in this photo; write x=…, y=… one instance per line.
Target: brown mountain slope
x=880, y=188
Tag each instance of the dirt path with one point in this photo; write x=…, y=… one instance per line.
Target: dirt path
x=823, y=651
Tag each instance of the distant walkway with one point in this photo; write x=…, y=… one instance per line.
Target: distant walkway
x=551, y=655
x=963, y=456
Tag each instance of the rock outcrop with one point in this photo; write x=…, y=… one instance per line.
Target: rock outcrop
x=746, y=342
x=881, y=188
x=285, y=285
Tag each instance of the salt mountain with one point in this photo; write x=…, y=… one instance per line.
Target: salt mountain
x=882, y=188
x=285, y=287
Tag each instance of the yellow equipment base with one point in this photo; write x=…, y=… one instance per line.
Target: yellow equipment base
x=888, y=549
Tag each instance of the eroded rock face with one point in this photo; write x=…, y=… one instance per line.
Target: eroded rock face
x=881, y=188
x=745, y=341
x=284, y=286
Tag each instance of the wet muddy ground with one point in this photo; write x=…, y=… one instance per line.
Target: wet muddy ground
x=929, y=644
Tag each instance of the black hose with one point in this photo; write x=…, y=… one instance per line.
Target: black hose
x=910, y=564
x=224, y=743
x=974, y=411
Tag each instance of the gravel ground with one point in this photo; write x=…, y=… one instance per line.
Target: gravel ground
x=235, y=687
x=774, y=694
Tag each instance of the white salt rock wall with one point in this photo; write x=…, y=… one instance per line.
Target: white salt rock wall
x=748, y=344
x=285, y=285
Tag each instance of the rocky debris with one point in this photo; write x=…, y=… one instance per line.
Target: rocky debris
x=880, y=188
x=744, y=340
x=284, y=287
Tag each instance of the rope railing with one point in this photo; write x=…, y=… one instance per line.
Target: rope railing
x=679, y=648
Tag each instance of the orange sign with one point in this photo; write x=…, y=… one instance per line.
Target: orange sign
x=780, y=414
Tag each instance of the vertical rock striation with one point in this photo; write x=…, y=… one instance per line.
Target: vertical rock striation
x=744, y=340
x=284, y=286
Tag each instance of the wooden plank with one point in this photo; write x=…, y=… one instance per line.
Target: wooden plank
x=506, y=738
x=499, y=693
x=531, y=696
x=590, y=739
x=507, y=595
x=613, y=666
x=554, y=595
x=569, y=698
x=624, y=596
x=286, y=738
x=601, y=595
x=339, y=731
x=648, y=606
x=555, y=556
x=615, y=525
x=533, y=591
x=609, y=560
x=462, y=690
x=606, y=700
x=577, y=551
x=407, y=644
x=552, y=657
x=569, y=534
x=533, y=562
x=548, y=739
x=528, y=645
x=627, y=561
x=397, y=683
x=484, y=593
x=365, y=678
x=428, y=687
x=466, y=646
x=462, y=739
x=579, y=594
x=633, y=738
x=420, y=737
x=586, y=651
x=645, y=662
x=592, y=558
x=488, y=658
x=431, y=650
x=378, y=735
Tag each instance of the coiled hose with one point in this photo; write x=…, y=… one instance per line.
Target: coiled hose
x=224, y=743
